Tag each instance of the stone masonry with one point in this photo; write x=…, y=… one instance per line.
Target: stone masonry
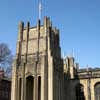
x=39, y=72
x=38, y=68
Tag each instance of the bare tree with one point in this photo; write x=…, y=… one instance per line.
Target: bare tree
x=6, y=58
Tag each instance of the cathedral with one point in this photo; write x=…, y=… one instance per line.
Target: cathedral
x=40, y=73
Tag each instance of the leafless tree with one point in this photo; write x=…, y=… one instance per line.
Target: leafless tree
x=6, y=58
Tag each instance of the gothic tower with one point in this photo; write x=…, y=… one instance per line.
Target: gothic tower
x=38, y=68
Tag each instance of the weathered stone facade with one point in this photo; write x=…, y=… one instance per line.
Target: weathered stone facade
x=81, y=83
x=38, y=68
x=39, y=73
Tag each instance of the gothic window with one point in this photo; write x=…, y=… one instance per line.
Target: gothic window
x=39, y=88
x=80, y=92
x=20, y=86
x=97, y=91
x=30, y=88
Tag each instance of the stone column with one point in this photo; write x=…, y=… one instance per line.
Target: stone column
x=85, y=84
x=44, y=79
x=18, y=98
x=16, y=86
x=23, y=84
x=14, y=83
x=92, y=89
x=35, y=88
x=22, y=89
x=50, y=80
x=86, y=89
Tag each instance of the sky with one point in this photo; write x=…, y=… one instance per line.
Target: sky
x=77, y=20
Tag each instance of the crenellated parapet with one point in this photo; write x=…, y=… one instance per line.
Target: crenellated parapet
x=33, y=40
x=70, y=67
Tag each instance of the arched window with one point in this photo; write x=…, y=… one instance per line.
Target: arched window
x=80, y=92
x=97, y=91
x=39, y=88
x=30, y=88
x=20, y=87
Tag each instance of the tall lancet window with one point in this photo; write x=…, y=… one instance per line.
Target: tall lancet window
x=20, y=88
x=39, y=88
x=97, y=91
x=80, y=92
x=30, y=88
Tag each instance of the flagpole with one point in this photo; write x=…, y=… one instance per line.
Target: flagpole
x=40, y=9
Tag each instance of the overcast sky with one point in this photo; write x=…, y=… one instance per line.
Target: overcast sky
x=78, y=21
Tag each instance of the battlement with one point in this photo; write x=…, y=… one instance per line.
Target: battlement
x=37, y=40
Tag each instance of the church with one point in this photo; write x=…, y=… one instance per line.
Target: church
x=40, y=73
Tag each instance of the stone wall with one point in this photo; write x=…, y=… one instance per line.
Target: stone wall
x=38, y=55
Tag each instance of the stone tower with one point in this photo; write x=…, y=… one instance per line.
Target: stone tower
x=38, y=68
